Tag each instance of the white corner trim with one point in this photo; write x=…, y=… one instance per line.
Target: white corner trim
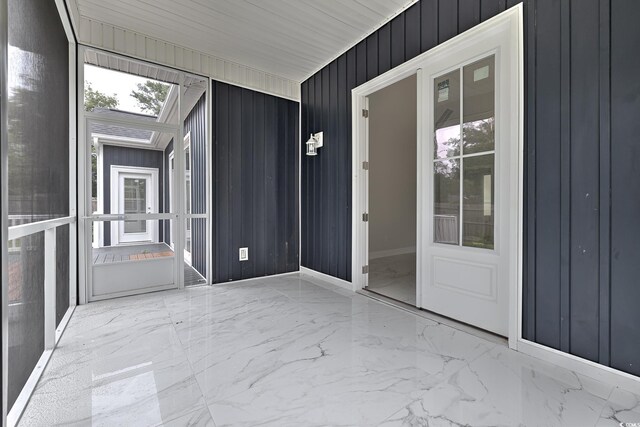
x=74, y=14
x=304, y=271
x=392, y=252
x=581, y=366
x=119, y=40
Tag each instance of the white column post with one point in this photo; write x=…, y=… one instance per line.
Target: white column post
x=50, y=288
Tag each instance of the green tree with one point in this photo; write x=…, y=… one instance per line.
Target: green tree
x=151, y=96
x=95, y=98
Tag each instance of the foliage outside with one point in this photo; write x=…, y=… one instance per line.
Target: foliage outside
x=151, y=96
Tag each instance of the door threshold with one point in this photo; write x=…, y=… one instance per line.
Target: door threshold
x=425, y=314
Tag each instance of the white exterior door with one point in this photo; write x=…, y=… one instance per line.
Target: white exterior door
x=470, y=170
x=134, y=193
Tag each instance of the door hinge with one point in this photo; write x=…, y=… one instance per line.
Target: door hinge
x=365, y=113
x=365, y=217
x=365, y=269
x=365, y=165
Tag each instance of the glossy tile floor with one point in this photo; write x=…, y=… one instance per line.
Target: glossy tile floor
x=394, y=277
x=288, y=352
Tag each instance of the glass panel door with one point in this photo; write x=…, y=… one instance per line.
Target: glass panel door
x=464, y=263
x=136, y=191
x=463, y=157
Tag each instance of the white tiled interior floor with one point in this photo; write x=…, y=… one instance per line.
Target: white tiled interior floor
x=286, y=351
x=394, y=277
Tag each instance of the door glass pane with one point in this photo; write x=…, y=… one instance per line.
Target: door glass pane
x=478, y=201
x=447, y=115
x=479, y=106
x=446, y=201
x=135, y=202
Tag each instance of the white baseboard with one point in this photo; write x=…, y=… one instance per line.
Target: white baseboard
x=581, y=366
x=304, y=271
x=392, y=252
x=251, y=279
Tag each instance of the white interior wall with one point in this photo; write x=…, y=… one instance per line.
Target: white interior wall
x=392, y=169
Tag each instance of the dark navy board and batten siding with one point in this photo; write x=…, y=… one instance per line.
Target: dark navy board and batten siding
x=582, y=233
x=255, y=157
x=125, y=156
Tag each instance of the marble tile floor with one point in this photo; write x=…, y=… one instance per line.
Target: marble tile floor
x=394, y=277
x=286, y=351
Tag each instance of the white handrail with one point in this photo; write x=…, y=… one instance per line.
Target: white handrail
x=23, y=230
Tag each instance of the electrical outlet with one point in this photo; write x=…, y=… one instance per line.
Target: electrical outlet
x=244, y=254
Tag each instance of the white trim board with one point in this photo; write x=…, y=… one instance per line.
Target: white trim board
x=392, y=252
x=581, y=366
x=304, y=271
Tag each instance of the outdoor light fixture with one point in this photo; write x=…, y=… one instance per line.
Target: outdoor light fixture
x=314, y=142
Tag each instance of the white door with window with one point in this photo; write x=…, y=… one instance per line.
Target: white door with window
x=134, y=192
x=469, y=166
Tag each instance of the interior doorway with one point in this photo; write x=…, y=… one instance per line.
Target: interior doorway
x=392, y=190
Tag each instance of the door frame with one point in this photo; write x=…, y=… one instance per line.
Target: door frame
x=116, y=171
x=510, y=22
x=85, y=215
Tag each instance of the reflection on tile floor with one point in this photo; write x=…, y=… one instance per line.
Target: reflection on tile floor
x=285, y=351
x=394, y=277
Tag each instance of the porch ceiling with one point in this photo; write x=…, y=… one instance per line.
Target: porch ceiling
x=288, y=38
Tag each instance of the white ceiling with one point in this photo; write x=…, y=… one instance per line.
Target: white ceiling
x=288, y=38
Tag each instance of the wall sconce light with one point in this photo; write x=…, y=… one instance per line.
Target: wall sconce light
x=314, y=142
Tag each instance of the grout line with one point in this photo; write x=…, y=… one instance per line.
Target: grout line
x=182, y=346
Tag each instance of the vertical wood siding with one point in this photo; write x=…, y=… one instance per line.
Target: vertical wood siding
x=255, y=183
x=581, y=209
x=624, y=294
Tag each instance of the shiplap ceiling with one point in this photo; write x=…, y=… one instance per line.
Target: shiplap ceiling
x=288, y=38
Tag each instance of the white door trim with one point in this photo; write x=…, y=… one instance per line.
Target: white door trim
x=116, y=171
x=510, y=21
x=187, y=178
x=171, y=173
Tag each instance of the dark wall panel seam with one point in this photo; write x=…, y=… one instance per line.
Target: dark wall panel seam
x=605, y=183
x=529, y=308
x=565, y=176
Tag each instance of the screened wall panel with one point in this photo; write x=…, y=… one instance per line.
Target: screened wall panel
x=26, y=310
x=62, y=272
x=38, y=112
x=38, y=172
